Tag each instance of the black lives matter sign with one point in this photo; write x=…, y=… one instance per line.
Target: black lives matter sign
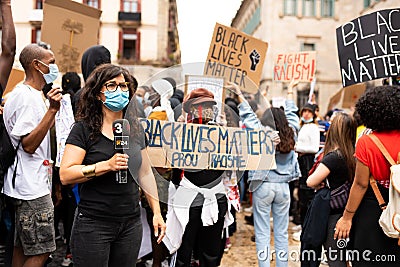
x=369, y=47
x=237, y=57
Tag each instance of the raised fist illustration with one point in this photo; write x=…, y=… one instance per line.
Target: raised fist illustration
x=255, y=58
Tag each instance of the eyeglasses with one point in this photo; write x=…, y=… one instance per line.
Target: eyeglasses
x=112, y=86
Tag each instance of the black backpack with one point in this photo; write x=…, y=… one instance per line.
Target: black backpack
x=7, y=156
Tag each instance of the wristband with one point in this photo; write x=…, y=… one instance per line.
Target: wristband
x=349, y=211
x=89, y=171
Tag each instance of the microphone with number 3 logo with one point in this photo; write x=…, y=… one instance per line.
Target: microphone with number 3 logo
x=121, y=130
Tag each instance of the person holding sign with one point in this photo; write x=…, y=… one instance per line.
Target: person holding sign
x=107, y=229
x=199, y=204
x=271, y=188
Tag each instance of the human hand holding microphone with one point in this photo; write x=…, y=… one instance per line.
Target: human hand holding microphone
x=119, y=162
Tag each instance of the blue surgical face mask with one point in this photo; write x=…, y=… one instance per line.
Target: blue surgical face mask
x=53, y=72
x=307, y=121
x=139, y=99
x=117, y=100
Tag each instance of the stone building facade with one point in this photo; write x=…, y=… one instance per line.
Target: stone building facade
x=300, y=25
x=138, y=33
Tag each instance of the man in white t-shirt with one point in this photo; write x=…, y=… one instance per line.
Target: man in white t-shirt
x=28, y=120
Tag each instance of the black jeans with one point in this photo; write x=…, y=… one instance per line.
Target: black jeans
x=8, y=229
x=96, y=243
x=206, y=239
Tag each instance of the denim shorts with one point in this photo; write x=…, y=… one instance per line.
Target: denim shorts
x=34, y=226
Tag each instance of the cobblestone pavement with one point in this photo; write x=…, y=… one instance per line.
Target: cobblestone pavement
x=241, y=254
x=243, y=250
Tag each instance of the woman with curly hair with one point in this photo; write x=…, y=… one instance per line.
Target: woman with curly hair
x=270, y=188
x=335, y=169
x=107, y=229
x=379, y=109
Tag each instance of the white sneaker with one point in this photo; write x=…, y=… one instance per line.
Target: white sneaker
x=296, y=236
x=296, y=228
x=66, y=262
x=249, y=209
x=165, y=263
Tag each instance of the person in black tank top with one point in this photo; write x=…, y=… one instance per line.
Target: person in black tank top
x=204, y=241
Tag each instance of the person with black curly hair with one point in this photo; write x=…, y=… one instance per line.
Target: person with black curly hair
x=379, y=109
x=107, y=229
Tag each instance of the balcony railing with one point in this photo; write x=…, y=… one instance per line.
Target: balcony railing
x=133, y=17
x=36, y=16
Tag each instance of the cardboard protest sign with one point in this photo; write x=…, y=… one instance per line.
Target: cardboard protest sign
x=213, y=84
x=198, y=146
x=16, y=76
x=352, y=94
x=347, y=97
x=369, y=47
x=236, y=56
x=70, y=28
x=278, y=101
x=335, y=99
x=298, y=66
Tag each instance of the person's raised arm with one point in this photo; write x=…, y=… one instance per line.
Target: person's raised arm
x=291, y=108
x=8, y=43
x=247, y=116
x=293, y=83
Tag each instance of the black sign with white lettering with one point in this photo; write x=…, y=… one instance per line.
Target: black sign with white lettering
x=369, y=47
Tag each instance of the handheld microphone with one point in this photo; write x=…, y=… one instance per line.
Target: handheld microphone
x=121, y=131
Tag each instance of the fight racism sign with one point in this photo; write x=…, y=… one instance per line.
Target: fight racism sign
x=298, y=66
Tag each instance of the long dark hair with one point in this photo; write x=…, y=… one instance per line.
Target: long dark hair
x=341, y=136
x=286, y=133
x=90, y=106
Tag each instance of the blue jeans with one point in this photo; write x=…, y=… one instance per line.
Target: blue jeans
x=96, y=243
x=273, y=197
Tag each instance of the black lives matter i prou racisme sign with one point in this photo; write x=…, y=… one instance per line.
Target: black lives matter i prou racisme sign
x=369, y=47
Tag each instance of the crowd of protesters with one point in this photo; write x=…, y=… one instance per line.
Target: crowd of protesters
x=191, y=213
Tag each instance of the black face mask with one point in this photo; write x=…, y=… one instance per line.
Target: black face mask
x=47, y=87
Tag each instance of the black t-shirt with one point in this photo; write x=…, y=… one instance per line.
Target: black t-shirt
x=337, y=165
x=204, y=177
x=339, y=172
x=103, y=197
